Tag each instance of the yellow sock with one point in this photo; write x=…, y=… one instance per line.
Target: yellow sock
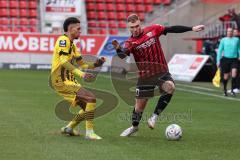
x=89, y=115
x=77, y=119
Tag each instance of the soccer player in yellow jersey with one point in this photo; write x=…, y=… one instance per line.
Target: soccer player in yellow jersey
x=63, y=81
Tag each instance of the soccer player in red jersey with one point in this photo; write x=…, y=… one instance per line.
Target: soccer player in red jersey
x=146, y=49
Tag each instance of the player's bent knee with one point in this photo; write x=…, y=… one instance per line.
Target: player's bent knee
x=91, y=100
x=170, y=88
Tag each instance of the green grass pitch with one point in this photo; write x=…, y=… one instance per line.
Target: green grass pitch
x=29, y=128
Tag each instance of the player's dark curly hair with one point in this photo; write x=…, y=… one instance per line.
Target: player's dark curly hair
x=68, y=21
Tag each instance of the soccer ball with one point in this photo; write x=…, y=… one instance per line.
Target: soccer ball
x=173, y=132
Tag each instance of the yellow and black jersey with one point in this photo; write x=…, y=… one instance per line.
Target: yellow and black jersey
x=64, y=49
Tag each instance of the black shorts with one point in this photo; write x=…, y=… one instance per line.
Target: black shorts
x=227, y=64
x=145, y=86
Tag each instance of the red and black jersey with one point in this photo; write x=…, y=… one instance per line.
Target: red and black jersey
x=147, y=51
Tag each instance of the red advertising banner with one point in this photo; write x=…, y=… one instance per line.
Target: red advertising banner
x=44, y=43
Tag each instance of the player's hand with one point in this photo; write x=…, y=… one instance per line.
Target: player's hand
x=218, y=65
x=99, y=62
x=115, y=44
x=88, y=77
x=198, y=28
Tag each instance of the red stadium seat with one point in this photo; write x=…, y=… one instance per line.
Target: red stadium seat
x=99, y=1
x=148, y=8
x=122, y=24
x=112, y=24
x=130, y=8
x=102, y=24
x=33, y=21
x=3, y=12
x=13, y=12
x=23, y=13
x=23, y=4
x=90, y=1
x=14, y=21
x=110, y=7
x=103, y=31
x=91, y=15
x=4, y=21
x=119, y=1
x=129, y=1
x=92, y=24
x=33, y=29
x=140, y=8
x=110, y=1
x=4, y=4
x=111, y=15
x=148, y=1
x=24, y=21
x=13, y=4
x=90, y=6
x=33, y=4
x=166, y=2
x=141, y=16
x=5, y=29
x=121, y=16
x=16, y=29
x=120, y=7
x=101, y=15
x=24, y=29
x=138, y=1
x=32, y=13
x=93, y=31
x=101, y=6
x=113, y=31
x=157, y=1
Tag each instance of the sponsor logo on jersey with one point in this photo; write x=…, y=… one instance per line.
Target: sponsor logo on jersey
x=62, y=43
x=146, y=44
x=149, y=34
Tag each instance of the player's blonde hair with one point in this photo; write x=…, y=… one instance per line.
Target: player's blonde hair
x=132, y=18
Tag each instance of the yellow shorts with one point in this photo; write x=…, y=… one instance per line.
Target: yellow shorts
x=67, y=89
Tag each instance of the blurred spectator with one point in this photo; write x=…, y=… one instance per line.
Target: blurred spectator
x=228, y=53
x=236, y=33
x=235, y=17
x=226, y=17
x=209, y=48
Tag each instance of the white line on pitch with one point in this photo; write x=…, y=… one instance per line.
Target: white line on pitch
x=208, y=94
x=196, y=87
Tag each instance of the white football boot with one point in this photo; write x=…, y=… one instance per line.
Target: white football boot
x=128, y=132
x=152, y=121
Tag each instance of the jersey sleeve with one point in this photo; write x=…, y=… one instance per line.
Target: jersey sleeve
x=62, y=46
x=128, y=47
x=159, y=29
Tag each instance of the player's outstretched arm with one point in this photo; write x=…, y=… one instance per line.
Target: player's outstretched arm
x=91, y=65
x=182, y=29
x=121, y=52
x=64, y=62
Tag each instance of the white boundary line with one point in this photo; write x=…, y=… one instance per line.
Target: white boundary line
x=207, y=94
x=196, y=87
